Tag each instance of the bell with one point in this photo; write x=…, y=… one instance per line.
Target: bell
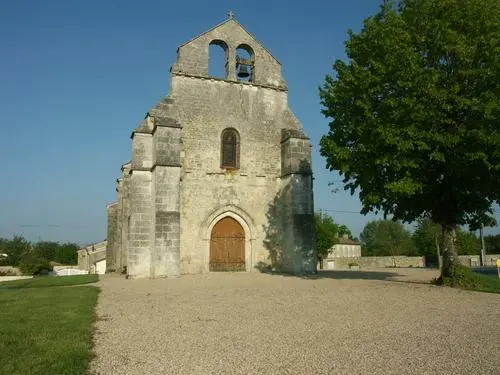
x=243, y=72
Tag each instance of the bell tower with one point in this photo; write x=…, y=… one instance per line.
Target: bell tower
x=246, y=60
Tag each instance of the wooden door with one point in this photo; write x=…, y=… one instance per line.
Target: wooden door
x=227, y=246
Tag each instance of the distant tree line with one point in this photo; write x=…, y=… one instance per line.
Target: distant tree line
x=391, y=238
x=33, y=258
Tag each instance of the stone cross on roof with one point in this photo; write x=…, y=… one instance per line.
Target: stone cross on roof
x=230, y=14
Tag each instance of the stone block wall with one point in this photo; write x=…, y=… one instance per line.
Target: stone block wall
x=193, y=56
x=206, y=109
x=377, y=262
x=113, y=238
x=123, y=221
x=140, y=244
x=475, y=260
x=142, y=151
x=87, y=259
x=404, y=261
x=13, y=271
x=167, y=221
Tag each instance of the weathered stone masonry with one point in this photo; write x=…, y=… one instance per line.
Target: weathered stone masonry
x=176, y=189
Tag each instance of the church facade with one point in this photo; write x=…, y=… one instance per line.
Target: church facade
x=220, y=176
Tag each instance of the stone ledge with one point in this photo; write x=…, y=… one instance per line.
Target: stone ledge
x=165, y=122
x=286, y=134
x=277, y=88
x=175, y=165
x=139, y=169
x=301, y=173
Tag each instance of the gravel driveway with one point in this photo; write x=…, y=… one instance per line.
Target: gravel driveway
x=338, y=323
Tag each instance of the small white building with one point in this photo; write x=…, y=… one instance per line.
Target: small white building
x=92, y=258
x=344, y=248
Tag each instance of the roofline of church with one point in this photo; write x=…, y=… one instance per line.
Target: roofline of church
x=239, y=24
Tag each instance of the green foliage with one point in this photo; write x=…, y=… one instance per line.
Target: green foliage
x=427, y=232
x=34, y=265
x=18, y=248
x=482, y=219
x=386, y=238
x=468, y=243
x=67, y=254
x=492, y=244
x=327, y=232
x=344, y=231
x=46, y=249
x=463, y=277
x=425, y=237
x=415, y=112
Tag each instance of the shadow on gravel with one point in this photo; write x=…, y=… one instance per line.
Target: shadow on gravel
x=340, y=274
x=351, y=275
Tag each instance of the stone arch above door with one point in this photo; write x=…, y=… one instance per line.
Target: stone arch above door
x=227, y=246
x=243, y=219
x=240, y=215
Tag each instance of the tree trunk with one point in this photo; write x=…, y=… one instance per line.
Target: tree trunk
x=320, y=260
x=450, y=251
x=483, y=248
x=440, y=261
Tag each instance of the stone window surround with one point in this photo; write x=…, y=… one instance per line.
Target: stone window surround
x=235, y=145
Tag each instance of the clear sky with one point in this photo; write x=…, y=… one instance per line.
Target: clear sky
x=77, y=76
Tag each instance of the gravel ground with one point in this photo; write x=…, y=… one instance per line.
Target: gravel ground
x=342, y=322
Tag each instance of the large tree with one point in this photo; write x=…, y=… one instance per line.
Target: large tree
x=67, y=253
x=46, y=249
x=415, y=113
x=16, y=249
x=386, y=238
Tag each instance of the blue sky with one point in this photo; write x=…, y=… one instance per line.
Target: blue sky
x=77, y=76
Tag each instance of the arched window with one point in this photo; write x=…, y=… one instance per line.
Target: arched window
x=245, y=63
x=230, y=149
x=218, y=59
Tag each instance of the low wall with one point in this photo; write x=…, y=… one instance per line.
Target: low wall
x=9, y=269
x=397, y=261
x=376, y=262
x=11, y=278
x=475, y=260
x=69, y=271
x=73, y=266
x=402, y=261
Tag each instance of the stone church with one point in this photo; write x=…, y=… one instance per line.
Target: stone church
x=220, y=174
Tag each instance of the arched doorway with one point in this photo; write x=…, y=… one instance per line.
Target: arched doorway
x=227, y=246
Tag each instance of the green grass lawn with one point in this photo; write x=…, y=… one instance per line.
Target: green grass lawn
x=44, y=328
x=466, y=279
x=48, y=281
x=486, y=283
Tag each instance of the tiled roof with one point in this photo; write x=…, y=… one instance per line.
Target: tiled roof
x=346, y=241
